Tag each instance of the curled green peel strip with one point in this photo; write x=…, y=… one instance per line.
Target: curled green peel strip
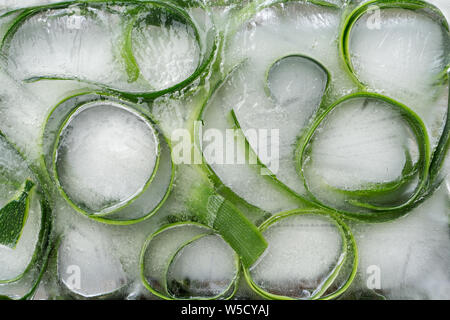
x=55, y=124
x=346, y=266
x=163, y=289
x=25, y=284
x=134, y=10
x=380, y=213
x=362, y=9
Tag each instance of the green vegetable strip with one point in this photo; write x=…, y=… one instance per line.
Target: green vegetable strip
x=350, y=259
x=259, y=162
x=218, y=213
x=242, y=235
x=29, y=280
x=54, y=125
x=208, y=169
x=14, y=215
x=163, y=291
x=131, y=65
x=443, y=146
x=126, y=51
x=379, y=213
x=374, y=189
x=42, y=254
x=351, y=263
x=438, y=156
x=228, y=293
x=361, y=10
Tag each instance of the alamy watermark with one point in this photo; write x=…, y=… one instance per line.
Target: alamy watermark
x=373, y=280
x=73, y=280
x=227, y=147
x=374, y=19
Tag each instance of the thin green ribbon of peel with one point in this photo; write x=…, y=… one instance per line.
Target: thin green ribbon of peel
x=220, y=214
x=174, y=288
x=344, y=43
x=383, y=188
x=442, y=148
x=161, y=288
x=162, y=175
x=24, y=285
x=348, y=264
x=13, y=216
x=242, y=235
x=126, y=52
x=270, y=95
x=380, y=213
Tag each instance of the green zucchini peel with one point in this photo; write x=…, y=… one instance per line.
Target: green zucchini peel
x=161, y=288
x=134, y=9
x=133, y=210
x=345, y=267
